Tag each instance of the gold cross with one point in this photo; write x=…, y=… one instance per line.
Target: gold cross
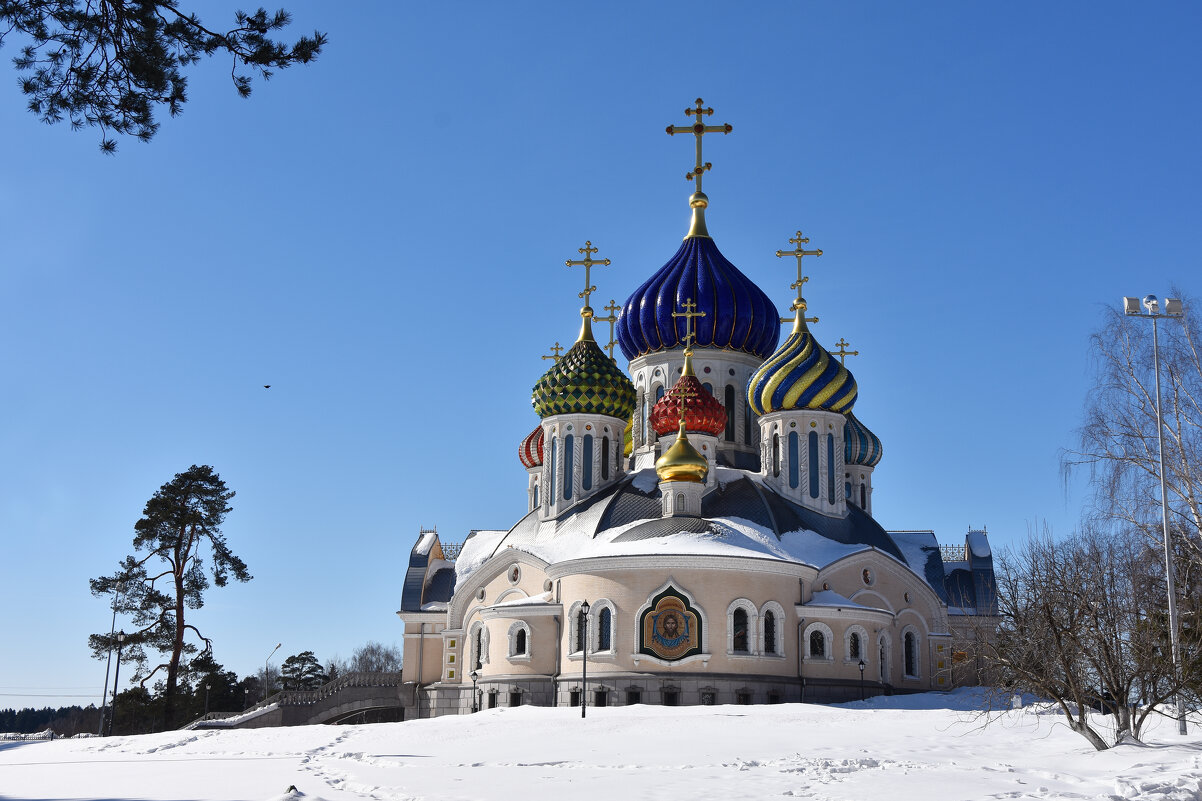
x=690, y=311
x=843, y=352
x=699, y=129
x=686, y=393
x=587, y=262
x=799, y=240
x=555, y=351
x=611, y=318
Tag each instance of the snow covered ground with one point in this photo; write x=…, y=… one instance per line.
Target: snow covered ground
x=914, y=748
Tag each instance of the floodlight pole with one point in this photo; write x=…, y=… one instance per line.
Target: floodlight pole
x=1151, y=304
x=104, y=696
x=265, y=663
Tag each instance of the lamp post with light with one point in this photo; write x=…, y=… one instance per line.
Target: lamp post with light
x=584, y=607
x=265, y=662
x=862, y=666
x=1172, y=308
x=475, y=696
x=116, y=680
x=206, y=698
x=120, y=588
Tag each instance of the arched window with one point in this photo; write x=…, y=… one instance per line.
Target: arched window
x=519, y=645
x=479, y=646
x=863, y=497
x=747, y=424
x=883, y=656
x=770, y=632
x=536, y=496
x=830, y=468
x=605, y=622
x=587, y=462
x=771, y=629
x=730, y=413
x=817, y=645
x=680, y=502
x=478, y=662
x=519, y=641
x=605, y=458
x=568, y=447
x=776, y=454
x=847, y=488
x=708, y=387
x=853, y=646
x=739, y=643
x=551, y=497
x=794, y=471
x=910, y=645
x=659, y=393
x=813, y=465
x=643, y=429
x=581, y=629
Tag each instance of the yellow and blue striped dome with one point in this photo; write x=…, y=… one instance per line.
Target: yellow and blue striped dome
x=801, y=374
x=860, y=446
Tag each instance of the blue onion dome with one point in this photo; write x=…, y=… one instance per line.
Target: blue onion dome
x=801, y=374
x=860, y=446
x=738, y=315
x=584, y=381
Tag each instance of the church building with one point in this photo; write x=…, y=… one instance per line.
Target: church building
x=700, y=526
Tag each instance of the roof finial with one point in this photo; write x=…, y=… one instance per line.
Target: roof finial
x=699, y=129
x=613, y=308
x=843, y=352
x=586, y=328
x=799, y=305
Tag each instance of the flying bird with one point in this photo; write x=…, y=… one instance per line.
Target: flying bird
x=267, y=386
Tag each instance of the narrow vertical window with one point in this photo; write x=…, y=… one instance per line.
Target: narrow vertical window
x=817, y=645
x=519, y=647
x=659, y=393
x=568, y=447
x=709, y=388
x=776, y=454
x=536, y=496
x=551, y=497
x=830, y=468
x=581, y=629
x=605, y=458
x=586, y=458
x=730, y=413
x=643, y=430
x=739, y=624
x=770, y=632
x=746, y=424
x=911, y=646
x=847, y=491
x=794, y=471
x=863, y=497
x=813, y=464
x=680, y=502
x=604, y=629
x=478, y=662
x=853, y=646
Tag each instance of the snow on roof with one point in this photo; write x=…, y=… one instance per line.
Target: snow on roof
x=832, y=598
x=541, y=598
x=476, y=550
x=916, y=547
x=646, y=480
x=978, y=543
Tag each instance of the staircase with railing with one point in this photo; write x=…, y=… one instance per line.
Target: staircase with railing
x=348, y=693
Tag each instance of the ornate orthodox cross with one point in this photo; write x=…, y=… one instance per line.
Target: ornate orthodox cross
x=843, y=352
x=613, y=308
x=699, y=129
x=690, y=311
x=686, y=393
x=799, y=251
x=587, y=262
x=555, y=352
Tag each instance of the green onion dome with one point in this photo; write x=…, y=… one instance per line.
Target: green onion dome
x=860, y=446
x=584, y=381
x=801, y=374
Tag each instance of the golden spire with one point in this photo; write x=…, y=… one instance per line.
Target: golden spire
x=613, y=308
x=682, y=462
x=843, y=352
x=799, y=304
x=698, y=201
x=555, y=352
x=690, y=312
x=586, y=328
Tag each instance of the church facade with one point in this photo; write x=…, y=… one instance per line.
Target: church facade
x=700, y=527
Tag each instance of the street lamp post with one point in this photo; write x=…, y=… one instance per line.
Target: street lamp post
x=265, y=661
x=475, y=697
x=584, y=654
x=245, y=698
x=112, y=631
x=206, y=698
x=116, y=680
x=1172, y=308
x=862, y=666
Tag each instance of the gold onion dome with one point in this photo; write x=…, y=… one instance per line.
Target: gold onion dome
x=801, y=374
x=682, y=462
x=584, y=381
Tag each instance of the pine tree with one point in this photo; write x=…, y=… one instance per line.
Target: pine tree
x=302, y=672
x=180, y=533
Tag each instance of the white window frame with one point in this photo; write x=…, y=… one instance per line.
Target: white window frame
x=779, y=612
x=478, y=626
x=911, y=629
x=828, y=643
x=594, y=633
x=514, y=656
x=856, y=628
x=753, y=617
x=885, y=668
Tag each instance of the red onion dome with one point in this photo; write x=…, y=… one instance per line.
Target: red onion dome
x=531, y=449
x=703, y=413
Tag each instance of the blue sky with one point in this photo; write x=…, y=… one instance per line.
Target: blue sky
x=380, y=236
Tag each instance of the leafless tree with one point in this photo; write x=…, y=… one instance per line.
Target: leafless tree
x=1082, y=624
